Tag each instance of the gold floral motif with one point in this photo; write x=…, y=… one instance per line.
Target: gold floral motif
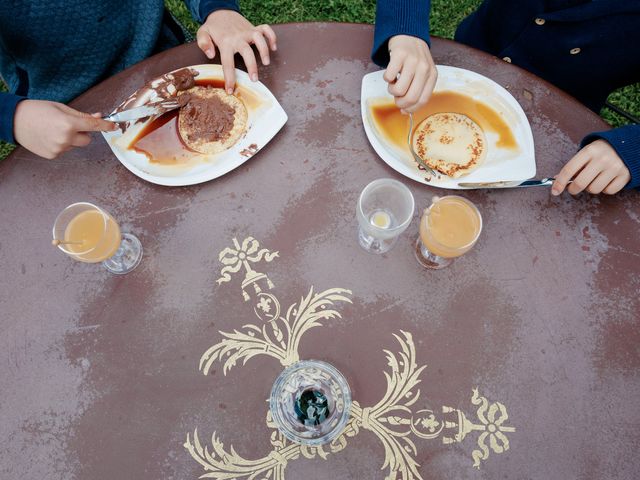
x=491, y=426
x=242, y=255
x=393, y=419
x=279, y=337
x=221, y=464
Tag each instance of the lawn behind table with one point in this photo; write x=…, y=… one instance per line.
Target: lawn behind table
x=445, y=16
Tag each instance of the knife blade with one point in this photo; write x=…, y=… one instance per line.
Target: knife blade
x=149, y=110
x=545, y=182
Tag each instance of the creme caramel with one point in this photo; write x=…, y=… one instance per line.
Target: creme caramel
x=160, y=140
x=394, y=126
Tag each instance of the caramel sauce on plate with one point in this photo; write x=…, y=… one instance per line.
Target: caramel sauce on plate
x=160, y=140
x=394, y=126
x=211, y=82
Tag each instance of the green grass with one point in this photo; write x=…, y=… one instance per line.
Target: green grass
x=626, y=98
x=445, y=16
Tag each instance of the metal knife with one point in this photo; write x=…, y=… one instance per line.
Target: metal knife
x=545, y=182
x=149, y=110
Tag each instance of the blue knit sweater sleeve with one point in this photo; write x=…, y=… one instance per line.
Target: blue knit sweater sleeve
x=8, y=104
x=626, y=142
x=200, y=9
x=399, y=17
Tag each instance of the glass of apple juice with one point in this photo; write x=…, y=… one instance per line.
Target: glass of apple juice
x=88, y=233
x=449, y=228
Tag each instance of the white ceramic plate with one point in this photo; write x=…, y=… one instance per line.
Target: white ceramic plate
x=265, y=119
x=500, y=163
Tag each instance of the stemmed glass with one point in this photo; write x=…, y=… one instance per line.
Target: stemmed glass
x=89, y=234
x=385, y=209
x=449, y=227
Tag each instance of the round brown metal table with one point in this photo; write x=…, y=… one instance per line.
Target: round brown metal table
x=530, y=341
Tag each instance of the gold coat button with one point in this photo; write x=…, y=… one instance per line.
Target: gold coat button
x=574, y=51
x=540, y=21
x=507, y=59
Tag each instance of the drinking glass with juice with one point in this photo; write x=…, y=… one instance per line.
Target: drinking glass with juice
x=89, y=234
x=448, y=229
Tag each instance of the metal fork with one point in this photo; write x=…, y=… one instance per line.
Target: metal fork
x=430, y=171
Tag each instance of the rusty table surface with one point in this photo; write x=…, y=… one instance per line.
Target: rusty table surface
x=531, y=338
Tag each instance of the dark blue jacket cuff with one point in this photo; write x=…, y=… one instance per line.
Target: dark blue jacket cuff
x=399, y=17
x=207, y=7
x=8, y=104
x=626, y=142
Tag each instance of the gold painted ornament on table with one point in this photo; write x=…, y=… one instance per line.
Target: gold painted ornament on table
x=398, y=419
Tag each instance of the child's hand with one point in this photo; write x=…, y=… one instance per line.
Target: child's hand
x=232, y=33
x=597, y=168
x=50, y=128
x=411, y=73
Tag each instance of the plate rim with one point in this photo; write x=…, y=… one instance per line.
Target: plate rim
x=413, y=174
x=279, y=120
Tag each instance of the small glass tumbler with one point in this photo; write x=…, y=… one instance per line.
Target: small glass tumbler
x=89, y=234
x=385, y=209
x=310, y=402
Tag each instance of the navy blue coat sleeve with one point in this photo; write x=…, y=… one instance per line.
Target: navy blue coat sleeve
x=201, y=9
x=626, y=142
x=399, y=17
x=8, y=104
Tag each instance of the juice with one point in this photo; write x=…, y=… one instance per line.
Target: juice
x=96, y=236
x=380, y=219
x=450, y=227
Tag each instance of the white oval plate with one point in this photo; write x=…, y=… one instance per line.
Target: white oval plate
x=263, y=123
x=500, y=163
